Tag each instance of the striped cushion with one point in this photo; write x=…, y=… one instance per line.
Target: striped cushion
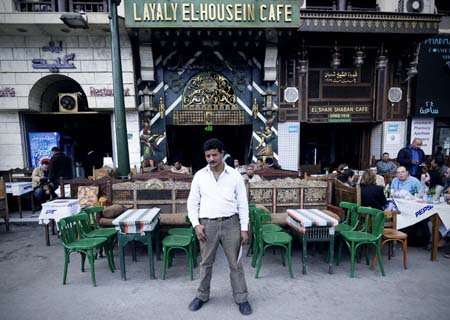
x=137, y=220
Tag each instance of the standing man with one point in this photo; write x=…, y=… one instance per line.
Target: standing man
x=60, y=166
x=218, y=210
x=412, y=158
x=385, y=165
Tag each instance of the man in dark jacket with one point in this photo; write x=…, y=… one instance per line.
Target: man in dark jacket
x=412, y=158
x=60, y=166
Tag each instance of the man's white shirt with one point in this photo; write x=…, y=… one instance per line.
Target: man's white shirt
x=211, y=199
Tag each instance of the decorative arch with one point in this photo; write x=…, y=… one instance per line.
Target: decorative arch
x=43, y=95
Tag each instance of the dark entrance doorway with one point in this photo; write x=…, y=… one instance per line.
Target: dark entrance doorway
x=80, y=133
x=186, y=142
x=336, y=143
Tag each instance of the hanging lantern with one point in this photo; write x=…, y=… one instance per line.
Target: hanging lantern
x=335, y=62
x=381, y=62
x=358, y=57
x=302, y=67
x=412, y=70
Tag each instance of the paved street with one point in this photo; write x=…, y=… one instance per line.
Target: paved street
x=30, y=287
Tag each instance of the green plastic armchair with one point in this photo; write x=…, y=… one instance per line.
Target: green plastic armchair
x=350, y=223
x=68, y=228
x=188, y=231
x=370, y=234
x=90, y=229
x=268, y=227
x=265, y=239
x=180, y=242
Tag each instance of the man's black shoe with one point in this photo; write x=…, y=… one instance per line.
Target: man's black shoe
x=245, y=308
x=196, y=304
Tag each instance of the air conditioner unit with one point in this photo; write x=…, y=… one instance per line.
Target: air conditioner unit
x=416, y=6
x=68, y=102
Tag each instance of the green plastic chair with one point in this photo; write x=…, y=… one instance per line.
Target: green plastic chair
x=181, y=242
x=370, y=234
x=350, y=223
x=68, y=228
x=90, y=229
x=267, y=227
x=187, y=231
x=265, y=239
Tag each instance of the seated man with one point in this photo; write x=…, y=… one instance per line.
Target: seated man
x=239, y=168
x=40, y=182
x=385, y=165
x=404, y=181
x=250, y=176
x=178, y=168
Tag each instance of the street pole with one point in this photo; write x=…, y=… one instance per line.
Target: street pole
x=119, y=105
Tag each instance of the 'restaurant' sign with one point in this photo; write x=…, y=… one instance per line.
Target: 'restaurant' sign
x=212, y=13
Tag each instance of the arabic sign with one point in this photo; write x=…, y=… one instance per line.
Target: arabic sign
x=7, y=92
x=59, y=63
x=422, y=128
x=434, y=68
x=212, y=13
x=341, y=77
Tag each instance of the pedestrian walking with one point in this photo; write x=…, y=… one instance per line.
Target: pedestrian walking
x=218, y=210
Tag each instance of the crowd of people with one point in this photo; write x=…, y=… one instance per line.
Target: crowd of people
x=414, y=175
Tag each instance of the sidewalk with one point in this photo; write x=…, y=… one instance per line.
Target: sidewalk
x=30, y=286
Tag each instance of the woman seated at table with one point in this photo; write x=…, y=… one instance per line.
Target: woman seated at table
x=372, y=195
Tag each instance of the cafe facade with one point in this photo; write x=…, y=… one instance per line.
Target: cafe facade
x=299, y=83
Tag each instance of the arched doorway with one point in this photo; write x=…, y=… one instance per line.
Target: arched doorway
x=80, y=132
x=209, y=109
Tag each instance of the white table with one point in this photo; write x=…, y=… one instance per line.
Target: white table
x=18, y=189
x=56, y=210
x=414, y=211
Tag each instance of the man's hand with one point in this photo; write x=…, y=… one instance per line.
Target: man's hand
x=414, y=161
x=244, y=237
x=200, y=233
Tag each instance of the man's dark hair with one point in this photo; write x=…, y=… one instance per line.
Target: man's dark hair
x=213, y=143
x=373, y=166
x=56, y=149
x=386, y=153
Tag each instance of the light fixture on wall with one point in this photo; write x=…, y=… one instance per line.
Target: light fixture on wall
x=76, y=20
x=358, y=57
x=335, y=62
x=269, y=102
x=147, y=101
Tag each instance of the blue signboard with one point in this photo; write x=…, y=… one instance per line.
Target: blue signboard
x=293, y=128
x=41, y=144
x=393, y=128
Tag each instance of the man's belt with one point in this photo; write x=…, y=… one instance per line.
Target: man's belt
x=218, y=219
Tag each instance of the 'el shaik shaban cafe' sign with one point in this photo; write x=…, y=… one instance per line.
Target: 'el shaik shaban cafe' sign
x=212, y=13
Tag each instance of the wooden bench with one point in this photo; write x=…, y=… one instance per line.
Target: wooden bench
x=170, y=196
